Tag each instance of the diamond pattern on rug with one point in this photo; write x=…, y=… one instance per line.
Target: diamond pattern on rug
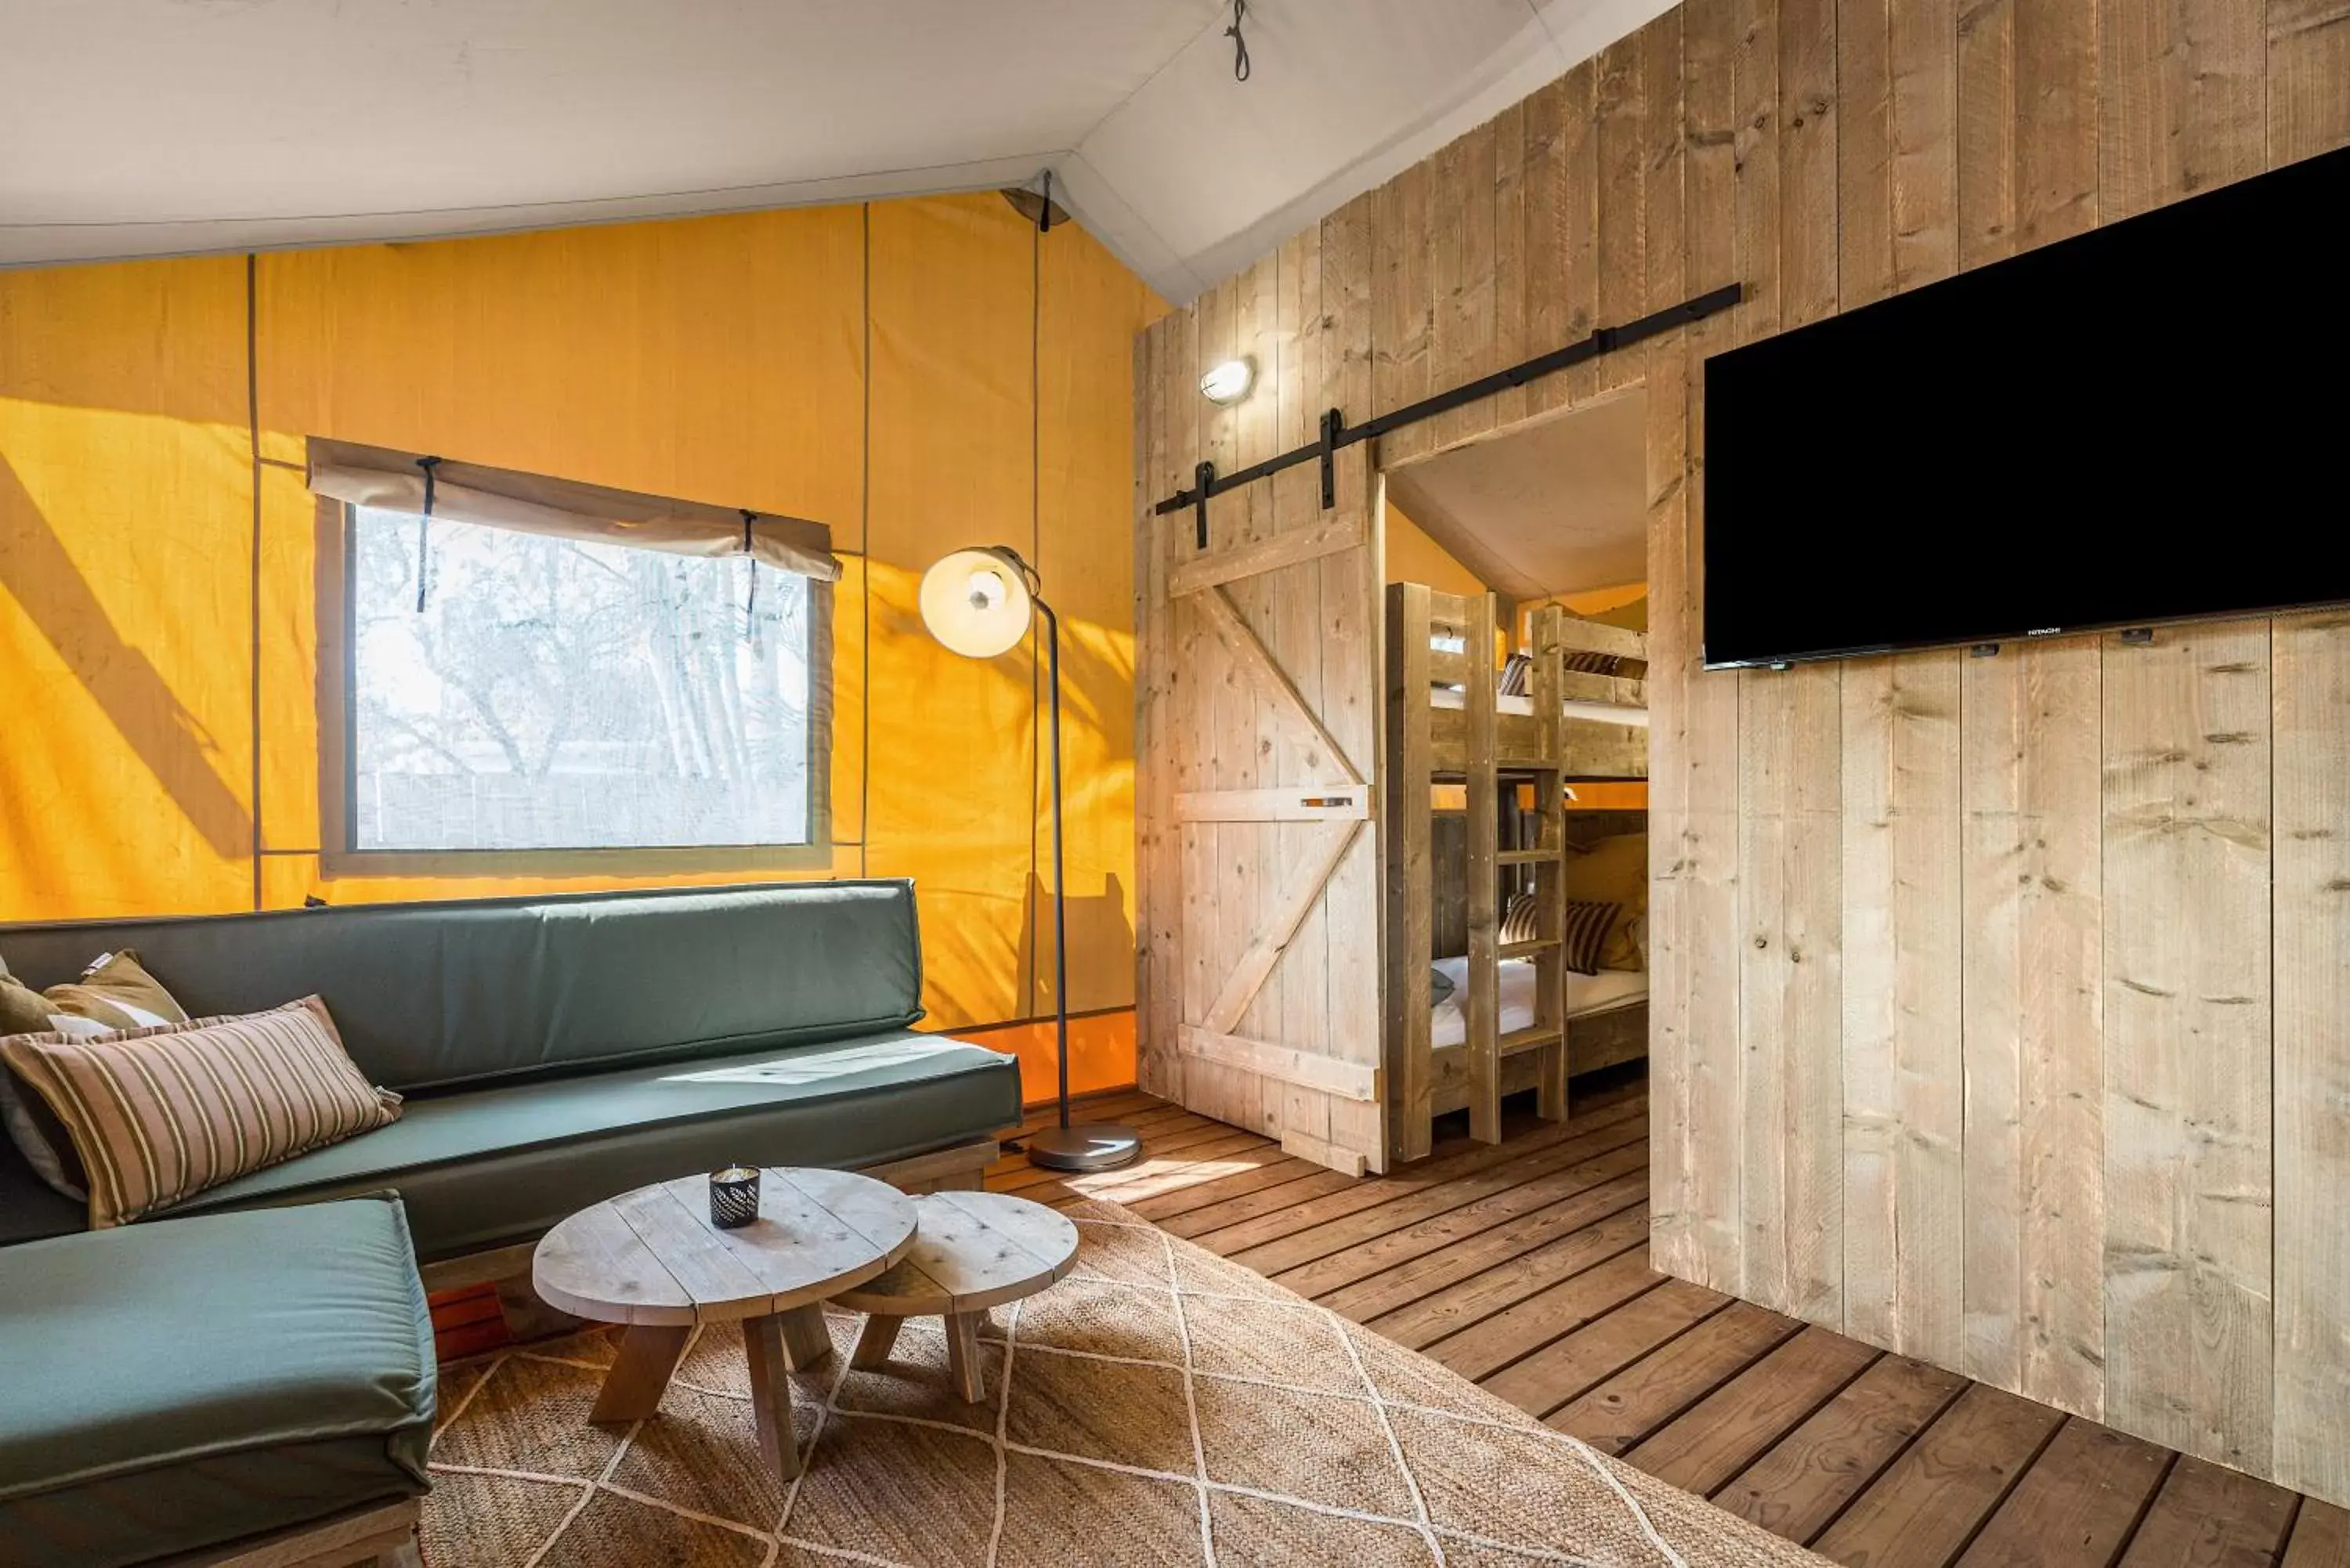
x=1274, y=1342
x=1302, y=1445
x=1125, y=1412
x=616, y=1532
x=1161, y=1408
x=493, y=1521
x=1408, y=1377
x=702, y=1454
x=913, y=1494
x=1259, y=1529
x=1201, y=1272
x=1055, y=1512
x=531, y=1416
x=1133, y=1254
x=1130, y=1321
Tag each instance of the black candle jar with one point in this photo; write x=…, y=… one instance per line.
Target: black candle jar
x=733, y=1197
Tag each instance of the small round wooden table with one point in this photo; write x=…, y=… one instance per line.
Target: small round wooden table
x=651, y=1260
x=975, y=1250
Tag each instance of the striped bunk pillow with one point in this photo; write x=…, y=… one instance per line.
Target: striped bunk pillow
x=1519, y=923
x=1588, y=925
x=1584, y=941
x=158, y=1115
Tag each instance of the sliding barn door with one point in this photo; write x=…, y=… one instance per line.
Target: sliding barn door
x=1259, y=694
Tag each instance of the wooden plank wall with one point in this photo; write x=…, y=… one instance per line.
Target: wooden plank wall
x=2001, y=1007
x=1220, y=885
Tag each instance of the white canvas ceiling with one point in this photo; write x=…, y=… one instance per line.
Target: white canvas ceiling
x=1558, y=507
x=156, y=127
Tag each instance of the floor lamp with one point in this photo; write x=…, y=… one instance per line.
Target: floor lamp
x=979, y=603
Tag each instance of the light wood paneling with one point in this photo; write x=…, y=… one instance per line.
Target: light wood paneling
x=2312, y=1069
x=1902, y=1082
x=1792, y=989
x=2033, y=979
x=1904, y=1115
x=2187, y=1176
x=1268, y=905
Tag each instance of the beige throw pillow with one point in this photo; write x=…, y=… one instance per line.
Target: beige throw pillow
x=158, y=1115
x=114, y=992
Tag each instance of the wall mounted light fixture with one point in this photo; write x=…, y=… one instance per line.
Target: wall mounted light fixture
x=1229, y=382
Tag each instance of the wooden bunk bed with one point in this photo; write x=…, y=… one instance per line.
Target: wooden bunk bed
x=1581, y=714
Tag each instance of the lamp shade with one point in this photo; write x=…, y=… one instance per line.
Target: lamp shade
x=976, y=602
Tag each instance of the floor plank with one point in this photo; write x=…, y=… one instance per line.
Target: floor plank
x=1485, y=1347
x=1636, y=1401
x=2081, y=1502
x=1461, y=1303
x=2208, y=1517
x=1566, y=1367
x=1430, y=1187
x=2321, y=1537
x=1524, y=1265
x=1805, y=1480
x=1700, y=1451
x=1930, y=1501
x=1572, y=1169
x=1605, y=1220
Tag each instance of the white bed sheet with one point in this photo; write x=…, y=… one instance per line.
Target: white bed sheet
x=1586, y=994
x=1597, y=713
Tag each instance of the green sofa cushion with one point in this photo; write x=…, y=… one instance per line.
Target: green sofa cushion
x=441, y=995
x=179, y=1384
x=501, y=1165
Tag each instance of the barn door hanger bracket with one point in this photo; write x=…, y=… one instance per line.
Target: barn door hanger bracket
x=1337, y=434
x=1333, y=424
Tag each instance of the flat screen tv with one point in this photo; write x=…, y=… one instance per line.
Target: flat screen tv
x=2147, y=423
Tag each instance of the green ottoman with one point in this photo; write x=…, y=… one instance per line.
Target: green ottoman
x=176, y=1385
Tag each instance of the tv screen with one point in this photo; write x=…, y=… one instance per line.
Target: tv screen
x=2143, y=423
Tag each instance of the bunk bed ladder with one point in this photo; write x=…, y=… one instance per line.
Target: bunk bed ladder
x=1544, y=684
x=1441, y=641
x=1481, y=1008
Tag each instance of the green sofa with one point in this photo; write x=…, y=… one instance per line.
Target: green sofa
x=557, y=1050
x=173, y=1386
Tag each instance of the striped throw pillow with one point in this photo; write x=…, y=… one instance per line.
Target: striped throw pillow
x=114, y=992
x=1588, y=925
x=158, y=1115
x=1519, y=921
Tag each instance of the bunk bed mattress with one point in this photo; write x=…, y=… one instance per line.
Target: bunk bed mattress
x=1597, y=713
x=1586, y=995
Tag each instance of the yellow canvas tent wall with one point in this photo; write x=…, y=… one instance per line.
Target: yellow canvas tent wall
x=867, y=367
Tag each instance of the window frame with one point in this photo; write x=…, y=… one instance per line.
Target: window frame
x=337, y=716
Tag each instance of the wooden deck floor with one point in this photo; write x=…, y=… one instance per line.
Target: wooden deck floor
x=1525, y=1267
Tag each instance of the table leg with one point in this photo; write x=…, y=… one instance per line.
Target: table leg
x=633, y=1387
x=874, y=1344
x=963, y=1356
x=763, y=1340
x=805, y=1339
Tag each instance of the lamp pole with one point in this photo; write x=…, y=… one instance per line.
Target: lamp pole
x=1098, y=1146
x=1060, y=904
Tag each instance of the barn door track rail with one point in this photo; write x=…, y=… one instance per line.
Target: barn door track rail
x=1337, y=434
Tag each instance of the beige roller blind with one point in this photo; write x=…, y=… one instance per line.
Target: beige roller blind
x=535, y=504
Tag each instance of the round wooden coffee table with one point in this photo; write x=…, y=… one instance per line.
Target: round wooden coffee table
x=651, y=1260
x=975, y=1250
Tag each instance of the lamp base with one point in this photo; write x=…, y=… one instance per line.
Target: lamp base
x=1095, y=1146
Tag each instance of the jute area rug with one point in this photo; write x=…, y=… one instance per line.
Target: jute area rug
x=1158, y=1407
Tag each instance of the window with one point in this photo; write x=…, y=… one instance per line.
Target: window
x=560, y=694
x=548, y=690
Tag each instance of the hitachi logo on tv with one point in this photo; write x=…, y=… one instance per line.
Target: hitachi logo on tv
x=2045, y=631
